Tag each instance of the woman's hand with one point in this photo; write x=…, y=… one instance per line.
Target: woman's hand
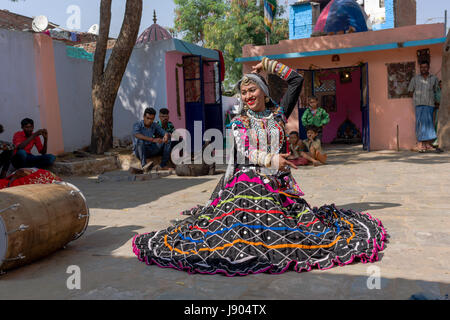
x=258, y=68
x=281, y=162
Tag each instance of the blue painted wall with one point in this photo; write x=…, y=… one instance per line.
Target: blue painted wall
x=300, y=21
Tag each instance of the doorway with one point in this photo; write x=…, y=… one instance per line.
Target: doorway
x=202, y=92
x=344, y=94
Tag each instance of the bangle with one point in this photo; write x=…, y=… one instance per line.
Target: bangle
x=269, y=65
x=261, y=158
x=268, y=160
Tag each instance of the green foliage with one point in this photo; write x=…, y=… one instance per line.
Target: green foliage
x=227, y=26
x=190, y=16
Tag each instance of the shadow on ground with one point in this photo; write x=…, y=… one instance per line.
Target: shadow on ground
x=128, y=194
x=350, y=154
x=106, y=274
x=105, y=277
x=368, y=206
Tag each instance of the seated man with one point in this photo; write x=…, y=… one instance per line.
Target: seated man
x=164, y=121
x=167, y=125
x=24, y=141
x=6, y=149
x=145, y=145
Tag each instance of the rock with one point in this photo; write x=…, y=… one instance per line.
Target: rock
x=195, y=169
x=85, y=166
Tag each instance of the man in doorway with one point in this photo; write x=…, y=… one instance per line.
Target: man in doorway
x=146, y=145
x=424, y=87
x=24, y=141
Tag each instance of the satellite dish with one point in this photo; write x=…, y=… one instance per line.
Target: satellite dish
x=39, y=24
x=93, y=29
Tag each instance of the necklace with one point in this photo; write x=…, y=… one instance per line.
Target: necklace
x=266, y=127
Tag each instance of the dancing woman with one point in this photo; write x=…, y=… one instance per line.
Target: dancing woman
x=256, y=220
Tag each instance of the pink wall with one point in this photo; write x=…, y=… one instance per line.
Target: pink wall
x=385, y=114
x=172, y=59
x=348, y=104
x=48, y=92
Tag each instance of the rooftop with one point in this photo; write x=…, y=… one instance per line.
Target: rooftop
x=415, y=35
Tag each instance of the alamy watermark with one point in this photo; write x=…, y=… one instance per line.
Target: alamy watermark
x=73, y=22
x=212, y=147
x=74, y=280
x=374, y=279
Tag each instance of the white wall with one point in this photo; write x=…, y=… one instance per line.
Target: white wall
x=18, y=90
x=377, y=14
x=143, y=85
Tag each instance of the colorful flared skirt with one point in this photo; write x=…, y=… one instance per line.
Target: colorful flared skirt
x=256, y=224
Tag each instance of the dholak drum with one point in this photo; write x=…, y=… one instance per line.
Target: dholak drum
x=38, y=219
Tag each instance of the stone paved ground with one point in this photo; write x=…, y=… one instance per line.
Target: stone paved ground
x=409, y=192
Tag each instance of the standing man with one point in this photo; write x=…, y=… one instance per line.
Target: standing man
x=146, y=145
x=424, y=87
x=25, y=140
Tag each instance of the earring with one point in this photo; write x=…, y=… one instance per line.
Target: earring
x=267, y=99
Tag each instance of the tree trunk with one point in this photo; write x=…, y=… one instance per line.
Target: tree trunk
x=444, y=108
x=106, y=81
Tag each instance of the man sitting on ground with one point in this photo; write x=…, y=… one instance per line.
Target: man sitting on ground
x=146, y=145
x=167, y=125
x=24, y=141
x=164, y=121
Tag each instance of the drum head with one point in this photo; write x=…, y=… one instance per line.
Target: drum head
x=74, y=188
x=3, y=241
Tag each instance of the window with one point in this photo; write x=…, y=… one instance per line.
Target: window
x=399, y=76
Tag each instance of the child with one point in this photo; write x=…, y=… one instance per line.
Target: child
x=297, y=149
x=315, y=116
x=314, y=146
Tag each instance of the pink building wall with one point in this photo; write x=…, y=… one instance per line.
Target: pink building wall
x=48, y=92
x=385, y=114
x=172, y=59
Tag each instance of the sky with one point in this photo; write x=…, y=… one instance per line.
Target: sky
x=62, y=12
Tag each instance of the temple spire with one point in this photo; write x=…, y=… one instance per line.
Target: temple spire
x=154, y=16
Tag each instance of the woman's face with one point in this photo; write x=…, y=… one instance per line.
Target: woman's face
x=253, y=97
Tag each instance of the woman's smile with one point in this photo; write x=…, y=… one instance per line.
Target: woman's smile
x=251, y=101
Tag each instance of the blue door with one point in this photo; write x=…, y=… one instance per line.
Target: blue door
x=365, y=106
x=193, y=94
x=212, y=95
x=202, y=93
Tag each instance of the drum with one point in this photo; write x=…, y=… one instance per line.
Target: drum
x=38, y=219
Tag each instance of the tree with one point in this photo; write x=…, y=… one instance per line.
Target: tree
x=444, y=108
x=244, y=24
x=190, y=16
x=106, y=80
x=228, y=25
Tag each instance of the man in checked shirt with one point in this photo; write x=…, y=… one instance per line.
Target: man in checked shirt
x=424, y=87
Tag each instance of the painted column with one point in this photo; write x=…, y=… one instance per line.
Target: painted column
x=48, y=92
